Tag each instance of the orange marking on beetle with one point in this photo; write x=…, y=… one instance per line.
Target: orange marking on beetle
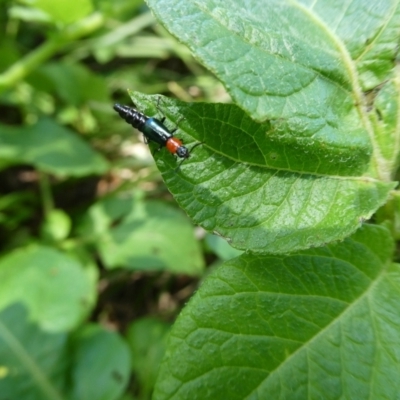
x=173, y=144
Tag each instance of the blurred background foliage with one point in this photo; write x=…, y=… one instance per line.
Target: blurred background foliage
x=96, y=258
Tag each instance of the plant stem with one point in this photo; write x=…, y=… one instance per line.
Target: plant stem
x=46, y=195
x=30, y=62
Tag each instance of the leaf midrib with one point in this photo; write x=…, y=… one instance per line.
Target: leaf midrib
x=377, y=159
x=340, y=316
x=47, y=388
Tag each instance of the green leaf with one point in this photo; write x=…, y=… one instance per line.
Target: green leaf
x=64, y=11
x=386, y=122
x=258, y=193
x=74, y=83
x=147, y=341
x=300, y=65
x=101, y=365
x=318, y=324
x=31, y=361
x=227, y=130
x=50, y=148
x=371, y=33
x=37, y=365
x=221, y=248
x=56, y=226
x=277, y=52
x=53, y=286
x=28, y=14
x=9, y=53
x=141, y=235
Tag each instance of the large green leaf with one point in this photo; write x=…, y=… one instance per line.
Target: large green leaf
x=302, y=65
x=319, y=324
x=51, y=148
x=260, y=193
x=272, y=54
x=54, y=287
x=318, y=163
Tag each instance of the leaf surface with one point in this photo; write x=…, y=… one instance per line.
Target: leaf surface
x=147, y=236
x=320, y=323
x=101, y=364
x=32, y=361
x=38, y=365
x=53, y=286
x=51, y=148
x=260, y=194
x=301, y=65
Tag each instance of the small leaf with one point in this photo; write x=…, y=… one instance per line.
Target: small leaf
x=50, y=148
x=64, y=11
x=144, y=236
x=385, y=117
x=56, y=226
x=53, y=286
x=32, y=361
x=317, y=324
x=372, y=34
x=74, y=83
x=101, y=364
x=37, y=365
x=147, y=341
x=28, y=14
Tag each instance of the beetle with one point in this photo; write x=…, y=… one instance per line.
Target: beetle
x=153, y=130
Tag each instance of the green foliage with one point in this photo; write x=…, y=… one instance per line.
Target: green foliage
x=320, y=323
x=143, y=235
x=32, y=359
x=42, y=278
x=264, y=202
x=56, y=226
x=62, y=12
x=221, y=248
x=302, y=298
x=307, y=154
x=38, y=363
x=108, y=359
x=67, y=253
x=147, y=340
x=291, y=60
x=50, y=148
